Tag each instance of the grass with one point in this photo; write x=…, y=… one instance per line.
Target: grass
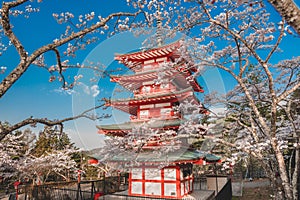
x=258, y=193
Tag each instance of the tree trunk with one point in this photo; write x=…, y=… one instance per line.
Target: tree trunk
x=271, y=168
x=295, y=178
x=289, y=11
x=282, y=170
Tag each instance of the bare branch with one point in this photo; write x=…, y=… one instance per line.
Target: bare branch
x=60, y=67
x=5, y=130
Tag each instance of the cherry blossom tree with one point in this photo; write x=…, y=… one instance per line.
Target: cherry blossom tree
x=80, y=31
x=240, y=121
x=20, y=159
x=13, y=148
x=39, y=168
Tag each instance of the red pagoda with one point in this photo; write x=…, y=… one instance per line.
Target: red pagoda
x=153, y=104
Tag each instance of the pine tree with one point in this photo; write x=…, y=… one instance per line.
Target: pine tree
x=50, y=140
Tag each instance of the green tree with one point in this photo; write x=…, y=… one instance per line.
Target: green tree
x=51, y=139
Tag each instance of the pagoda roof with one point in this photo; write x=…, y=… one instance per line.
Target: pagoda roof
x=150, y=53
x=182, y=155
x=124, y=128
x=130, y=105
x=132, y=60
x=135, y=81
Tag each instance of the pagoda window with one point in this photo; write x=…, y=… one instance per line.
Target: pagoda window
x=148, y=62
x=160, y=105
x=165, y=111
x=147, y=106
x=161, y=59
x=144, y=114
x=186, y=171
x=146, y=89
x=148, y=83
x=148, y=67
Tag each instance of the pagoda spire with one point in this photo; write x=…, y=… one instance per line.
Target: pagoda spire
x=159, y=28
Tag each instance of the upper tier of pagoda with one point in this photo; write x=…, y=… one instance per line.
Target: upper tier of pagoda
x=131, y=105
x=160, y=75
x=142, y=60
x=161, y=80
x=135, y=81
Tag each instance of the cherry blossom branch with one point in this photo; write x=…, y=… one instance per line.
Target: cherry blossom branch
x=288, y=92
x=232, y=145
x=254, y=132
x=250, y=129
x=5, y=130
x=274, y=99
x=249, y=97
x=259, y=94
x=242, y=68
x=204, y=8
x=288, y=113
x=276, y=45
x=26, y=60
x=267, y=71
x=61, y=175
x=256, y=56
x=5, y=22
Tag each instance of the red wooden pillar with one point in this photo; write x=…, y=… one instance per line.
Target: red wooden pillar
x=130, y=183
x=178, y=182
x=162, y=179
x=16, y=185
x=78, y=176
x=143, y=182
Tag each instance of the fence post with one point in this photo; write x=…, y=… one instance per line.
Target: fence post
x=16, y=185
x=92, y=190
x=104, y=185
x=78, y=189
x=25, y=192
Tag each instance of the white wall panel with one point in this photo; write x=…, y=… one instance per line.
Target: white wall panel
x=191, y=185
x=170, y=189
x=152, y=188
x=170, y=174
x=136, y=173
x=186, y=184
x=152, y=174
x=136, y=187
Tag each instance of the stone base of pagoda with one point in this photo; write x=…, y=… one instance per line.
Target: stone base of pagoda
x=169, y=182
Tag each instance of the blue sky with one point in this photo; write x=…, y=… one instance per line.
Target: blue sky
x=33, y=95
